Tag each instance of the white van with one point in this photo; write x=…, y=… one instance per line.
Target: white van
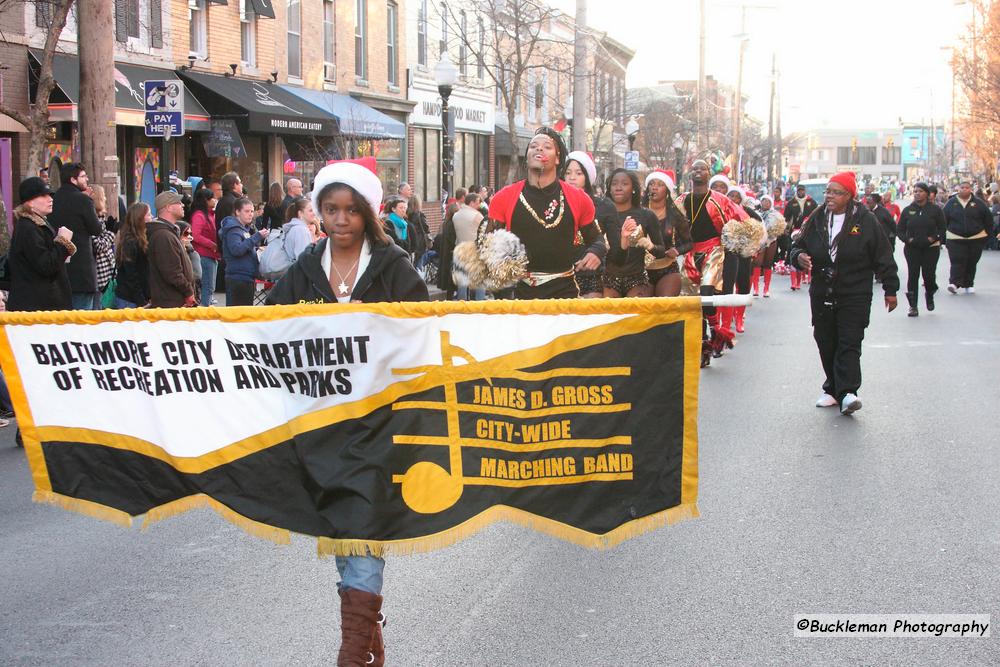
x=815, y=188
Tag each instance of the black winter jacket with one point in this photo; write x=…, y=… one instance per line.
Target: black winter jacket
x=863, y=251
x=133, y=274
x=886, y=222
x=796, y=217
x=968, y=220
x=921, y=226
x=389, y=277
x=72, y=208
x=37, y=263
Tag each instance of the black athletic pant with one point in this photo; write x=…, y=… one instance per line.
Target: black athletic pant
x=838, y=331
x=921, y=261
x=964, y=256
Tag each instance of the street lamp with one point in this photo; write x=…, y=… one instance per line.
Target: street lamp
x=631, y=129
x=445, y=74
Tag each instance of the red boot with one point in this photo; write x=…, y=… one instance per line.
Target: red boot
x=755, y=280
x=740, y=312
x=796, y=278
x=361, y=623
x=767, y=283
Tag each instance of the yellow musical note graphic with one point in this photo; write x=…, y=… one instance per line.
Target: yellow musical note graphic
x=428, y=488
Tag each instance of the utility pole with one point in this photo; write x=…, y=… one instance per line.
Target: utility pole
x=770, y=120
x=581, y=80
x=98, y=144
x=702, y=143
x=780, y=151
x=738, y=103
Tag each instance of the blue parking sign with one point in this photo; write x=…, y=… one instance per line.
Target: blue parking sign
x=163, y=100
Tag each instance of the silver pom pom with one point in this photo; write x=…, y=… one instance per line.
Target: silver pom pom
x=745, y=238
x=505, y=257
x=467, y=267
x=776, y=225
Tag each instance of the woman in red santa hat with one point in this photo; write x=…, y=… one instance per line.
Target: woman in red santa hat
x=355, y=262
x=664, y=274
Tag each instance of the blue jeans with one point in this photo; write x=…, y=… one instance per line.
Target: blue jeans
x=122, y=304
x=466, y=294
x=5, y=403
x=87, y=301
x=209, y=267
x=362, y=573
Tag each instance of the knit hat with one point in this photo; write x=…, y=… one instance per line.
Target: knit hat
x=846, y=180
x=358, y=174
x=165, y=199
x=718, y=178
x=31, y=188
x=736, y=188
x=664, y=176
x=586, y=162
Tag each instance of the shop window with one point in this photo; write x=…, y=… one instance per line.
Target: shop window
x=294, y=22
x=427, y=164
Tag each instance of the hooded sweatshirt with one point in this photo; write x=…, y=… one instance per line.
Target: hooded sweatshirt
x=239, y=249
x=296, y=236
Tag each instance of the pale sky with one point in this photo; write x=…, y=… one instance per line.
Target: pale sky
x=843, y=64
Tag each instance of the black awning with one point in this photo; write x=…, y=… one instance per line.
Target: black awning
x=260, y=106
x=263, y=8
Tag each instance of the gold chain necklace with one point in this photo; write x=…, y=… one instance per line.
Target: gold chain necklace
x=546, y=225
x=694, y=216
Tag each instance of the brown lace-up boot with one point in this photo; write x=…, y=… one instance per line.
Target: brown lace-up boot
x=361, y=622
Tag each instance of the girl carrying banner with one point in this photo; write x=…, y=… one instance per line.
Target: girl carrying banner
x=356, y=262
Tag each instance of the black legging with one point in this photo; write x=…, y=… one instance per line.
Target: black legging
x=964, y=257
x=736, y=273
x=921, y=261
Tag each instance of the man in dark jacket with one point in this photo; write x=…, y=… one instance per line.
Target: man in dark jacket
x=799, y=208
x=842, y=246
x=232, y=189
x=171, y=281
x=885, y=220
x=969, y=223
x=73, y=208
x=922, y=230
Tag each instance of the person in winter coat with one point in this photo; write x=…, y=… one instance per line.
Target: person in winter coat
x=38, y=252
x=842, y=246
x=132, y=290
x=356, y=262
x=922, y=230
x=797, y=211
x=205, y=239
x=73, y=208
x=418, y=229
x=193, y=257
x=171, y=281
x=239, y=248
x=296, y=233
x=969, y=223
x=397, y=227
x=104, y=243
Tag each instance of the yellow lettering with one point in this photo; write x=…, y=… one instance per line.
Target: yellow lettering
x=526, y=469
x=626, y=463
x=536, y=400
x=614, y=462
x=487, y=467
x=602, y=463
x=482, y=428
x=588, y=465
x=569, y=464
x=606, y=394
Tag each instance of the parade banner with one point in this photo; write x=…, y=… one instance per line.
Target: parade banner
x=391, y=428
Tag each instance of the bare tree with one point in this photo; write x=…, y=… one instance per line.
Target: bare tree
x=36, y=119
x=665, y=119
x=518, y=39
x=977, y=71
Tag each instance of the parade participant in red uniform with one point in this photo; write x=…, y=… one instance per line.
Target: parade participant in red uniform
x=708, y=211
x=356, y=262
x=797, y=210
x=546, y=214
x=891, y=206
x=764, y=260
x=581, y=172
x=664, y=274
x=736, y=270
x=625, y=270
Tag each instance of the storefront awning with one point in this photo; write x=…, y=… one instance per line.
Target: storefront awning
x=504, y=146
x=356, y=119
x=260, y=106
x=129, y=108
x=260, y=7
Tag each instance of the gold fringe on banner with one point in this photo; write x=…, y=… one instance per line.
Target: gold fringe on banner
x=326, y=547
x=84, y=507
x=199, y=500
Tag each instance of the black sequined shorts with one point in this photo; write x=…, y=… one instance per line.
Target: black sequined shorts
x=589, y=281
x=622, y=284
x=656, y=274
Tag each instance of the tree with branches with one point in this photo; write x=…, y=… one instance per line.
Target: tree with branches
x=977, y=71
x=36, y=119
x=518, y=41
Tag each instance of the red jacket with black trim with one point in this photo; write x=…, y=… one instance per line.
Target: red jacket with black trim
x=504, y=202
x=721, y=212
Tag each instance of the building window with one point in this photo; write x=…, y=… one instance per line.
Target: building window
x=444, y=28
x=422, y=33
x=126, y=18
x=155, y=23
x=248, y=34
x=866, y=154
x=892, y=155
x=294, y=23
x=361, y=39
x=390, y=31
x=198, y=27
x=329, y=50
x=427, y=164
x=463, y=48
x=481, y=57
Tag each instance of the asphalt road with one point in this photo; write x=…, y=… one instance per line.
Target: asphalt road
x=894, y=510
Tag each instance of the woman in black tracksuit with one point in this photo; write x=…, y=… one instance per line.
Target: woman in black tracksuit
x=922, y=230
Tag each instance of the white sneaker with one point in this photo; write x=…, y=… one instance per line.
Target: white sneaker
x=952, y=289
x=850, y=404
x=970, y=290
x=825, y=401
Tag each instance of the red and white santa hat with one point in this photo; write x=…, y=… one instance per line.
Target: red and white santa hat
x=359, y=174
x=664, y=175
x=585, y=161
